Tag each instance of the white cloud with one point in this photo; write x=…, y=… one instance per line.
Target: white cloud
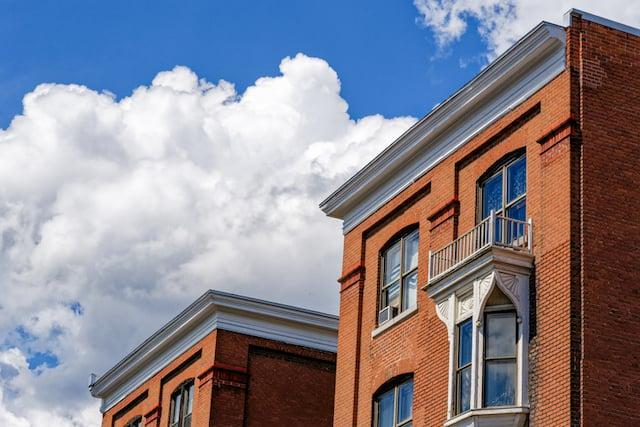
x=500, y=22
x=115, y=215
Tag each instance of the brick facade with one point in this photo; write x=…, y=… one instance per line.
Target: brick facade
x=580, y=133
x=239, y=379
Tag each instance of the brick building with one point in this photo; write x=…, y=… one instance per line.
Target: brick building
x=490, y=271
x=226, y=361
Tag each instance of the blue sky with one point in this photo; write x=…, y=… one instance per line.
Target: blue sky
x=167, y=148
x=388, y=62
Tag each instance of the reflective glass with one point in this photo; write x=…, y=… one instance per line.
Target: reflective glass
x=500, y=383
x=464, y=390
x=176, y=408
x=410, y=290
x=385, y=409
x=516, y=179
x=392, y=295
x=464, y=343
x=405, y=401
x=500, y=335
x=518, y=211
x=392, y=264
x=492, y=195
x=190, y=399
x=411, y=252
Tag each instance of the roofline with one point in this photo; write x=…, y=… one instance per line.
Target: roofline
x=599, y=20
x=506, y=67
x=214, y=310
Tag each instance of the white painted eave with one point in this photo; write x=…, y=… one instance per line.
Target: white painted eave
x=214, y=310
x=513, y=77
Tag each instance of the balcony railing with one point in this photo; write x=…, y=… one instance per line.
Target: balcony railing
x=493, y=231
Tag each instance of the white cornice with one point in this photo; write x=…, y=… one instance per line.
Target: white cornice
x=525, y=68
x=214, y=310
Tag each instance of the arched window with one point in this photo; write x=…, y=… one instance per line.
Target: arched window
x=134, y=422
x=504, y=192
x=399, y=276
x=181, y=405
x=393, y=405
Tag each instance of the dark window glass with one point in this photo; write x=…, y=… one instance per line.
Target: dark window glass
x=394, y=407
x=463, y=371
x=135, y=422
x=505, y=191
x=400, y=275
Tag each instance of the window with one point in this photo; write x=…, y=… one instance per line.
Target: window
x=134, y=422
x=500, y=359
x=181, y=405
x=399, y=277
x=504, y=192
x=498, y=364
x=393, y=408
x=463, y=371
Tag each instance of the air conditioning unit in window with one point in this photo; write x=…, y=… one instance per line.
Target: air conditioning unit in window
x=387, y=313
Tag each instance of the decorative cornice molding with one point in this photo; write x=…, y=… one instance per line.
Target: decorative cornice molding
x=214, y=310
x=526, y=67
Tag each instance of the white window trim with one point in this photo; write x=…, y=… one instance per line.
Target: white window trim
x=467, y=298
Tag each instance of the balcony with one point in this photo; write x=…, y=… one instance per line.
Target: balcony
x=493, y=232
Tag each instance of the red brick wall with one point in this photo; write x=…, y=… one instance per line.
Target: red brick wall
x=228, y=382
x=609, y=63
x=443, y=203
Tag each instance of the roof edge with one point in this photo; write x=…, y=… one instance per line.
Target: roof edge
x=533, y=45
x=214, y=310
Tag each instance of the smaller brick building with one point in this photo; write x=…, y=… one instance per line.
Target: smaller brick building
x=227, y=361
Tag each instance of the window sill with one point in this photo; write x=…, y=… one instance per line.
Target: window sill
x=512, y=416
x=398, y=319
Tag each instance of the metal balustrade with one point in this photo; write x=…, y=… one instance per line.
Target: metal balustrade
x=493, y=231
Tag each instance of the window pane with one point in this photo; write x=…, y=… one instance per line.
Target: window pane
x=411, y=252
x=392, y=264
x=410, y=290
x=500, y=335
x=464, y=343
x=391, y=296
x=516, y=179
x=405, y=401
x=518, y=211
x=500, y=383
x=176, y=408
x=187, y=421
x=464, y=390
x=492, y=195
x=385, y=409
x=190, y=400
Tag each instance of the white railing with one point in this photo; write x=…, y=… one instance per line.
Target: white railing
x=493, y=231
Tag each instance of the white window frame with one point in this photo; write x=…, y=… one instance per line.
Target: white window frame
x=467, y=302
x=397, y=310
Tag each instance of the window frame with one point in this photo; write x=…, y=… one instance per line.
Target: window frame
x=394, y=386
x=185, y=391
x=400, y=241
x=514, y=359
x=501, y=169
x=134, y=422
x=457, y=403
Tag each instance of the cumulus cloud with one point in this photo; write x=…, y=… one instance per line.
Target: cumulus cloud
x=116, y=214
x=502, y=22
